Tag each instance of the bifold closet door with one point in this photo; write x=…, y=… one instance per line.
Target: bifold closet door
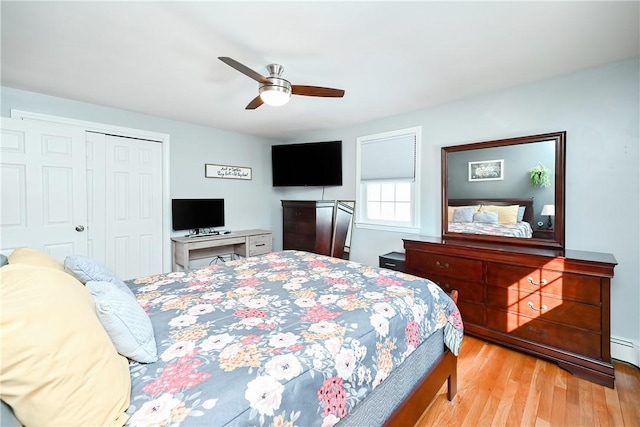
x=43, y=191
x=125, y=203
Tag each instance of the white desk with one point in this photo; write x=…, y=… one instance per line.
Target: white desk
x=244, y=243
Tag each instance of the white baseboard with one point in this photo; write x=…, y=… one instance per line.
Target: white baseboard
x=625, y=350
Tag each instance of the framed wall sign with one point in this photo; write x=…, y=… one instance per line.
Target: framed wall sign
x=226, y=171
x=486, y=170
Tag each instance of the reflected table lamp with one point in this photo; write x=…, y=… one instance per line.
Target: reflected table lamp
x=549, y=211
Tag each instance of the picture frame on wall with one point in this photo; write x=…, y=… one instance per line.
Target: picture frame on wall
x=226, y=171
x=486, y=170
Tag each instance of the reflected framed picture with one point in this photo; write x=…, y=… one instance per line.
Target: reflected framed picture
x=486, y=170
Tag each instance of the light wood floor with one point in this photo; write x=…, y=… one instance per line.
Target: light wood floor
x=501, y=387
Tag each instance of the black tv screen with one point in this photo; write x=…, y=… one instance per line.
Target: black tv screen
x=195, y=214
x=307, y=164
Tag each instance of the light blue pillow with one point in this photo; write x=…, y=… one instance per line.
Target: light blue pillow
x=463, y=214
x=86, y=269
x=486, y=217
x=521, y=213
x=3, y=260
x=125, y=321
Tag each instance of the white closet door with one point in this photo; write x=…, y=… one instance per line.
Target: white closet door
x=43, y=200
x=133, y=198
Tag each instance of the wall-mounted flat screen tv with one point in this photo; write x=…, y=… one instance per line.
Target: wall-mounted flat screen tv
x=307, y=164
x=196, y=214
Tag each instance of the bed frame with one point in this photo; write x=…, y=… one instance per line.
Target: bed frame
x=446, y=368
x=527, y=203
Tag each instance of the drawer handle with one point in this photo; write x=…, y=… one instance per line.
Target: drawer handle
x=542, y=282
x=445, y=265
x=532, y=329
x=533, y=307
x=260, y=244
x=388, y=264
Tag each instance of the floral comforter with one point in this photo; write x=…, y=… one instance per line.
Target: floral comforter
x=288, y=338
x=520, y=229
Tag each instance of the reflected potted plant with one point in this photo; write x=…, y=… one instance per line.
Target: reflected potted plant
x=540, y=176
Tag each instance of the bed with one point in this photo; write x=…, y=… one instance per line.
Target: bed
x=493, y=217
x=292, y=338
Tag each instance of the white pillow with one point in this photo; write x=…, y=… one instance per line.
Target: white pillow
x=86, y=269
x=125, y=321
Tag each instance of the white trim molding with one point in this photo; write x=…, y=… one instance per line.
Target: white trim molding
x=625, y=350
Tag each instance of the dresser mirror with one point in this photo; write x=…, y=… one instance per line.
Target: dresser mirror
x=509, y=191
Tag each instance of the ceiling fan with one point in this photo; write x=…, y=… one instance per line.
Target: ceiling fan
x=276, y=91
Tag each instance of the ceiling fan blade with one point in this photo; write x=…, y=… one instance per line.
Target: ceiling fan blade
x=243, y=69
x=255, y=103
x=317, y=91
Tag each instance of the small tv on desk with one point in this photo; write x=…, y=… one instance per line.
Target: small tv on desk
x=198, y=216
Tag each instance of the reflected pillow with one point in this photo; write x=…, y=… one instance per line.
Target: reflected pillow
x=486, y=217
x=451, y=210
x=125, y=321
x=464, y=214
x=506, y=214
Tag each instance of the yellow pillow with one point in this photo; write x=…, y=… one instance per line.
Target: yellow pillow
x=58, y=365
x=451, y=209
x=34, y=257
x=506, y=214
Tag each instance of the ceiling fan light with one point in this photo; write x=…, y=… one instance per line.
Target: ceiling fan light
x=275, y=95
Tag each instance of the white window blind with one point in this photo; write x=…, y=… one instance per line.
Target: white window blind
x=391, y=158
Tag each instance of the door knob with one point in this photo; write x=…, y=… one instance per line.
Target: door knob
x=79, y=228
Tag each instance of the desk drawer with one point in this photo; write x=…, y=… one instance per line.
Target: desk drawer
x=260, y=244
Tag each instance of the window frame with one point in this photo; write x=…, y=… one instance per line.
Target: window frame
x=361, y=193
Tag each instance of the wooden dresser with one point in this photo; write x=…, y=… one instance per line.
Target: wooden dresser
x=307, y=225
x=553, y=304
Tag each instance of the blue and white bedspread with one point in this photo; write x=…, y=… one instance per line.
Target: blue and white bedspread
x=520, y=229
x=288, y=338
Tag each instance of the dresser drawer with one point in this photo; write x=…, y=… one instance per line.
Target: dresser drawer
x=426, y=264
x=467, y=291
x=307, y=227
x=259, y=244
x=537, y=305
x=532, y=279
x=471, y=312
x=542, y=332
x=299, y=214
x=299, y=242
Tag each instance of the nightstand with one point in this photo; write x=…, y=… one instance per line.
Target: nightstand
x=393, y=261
x=544, y=233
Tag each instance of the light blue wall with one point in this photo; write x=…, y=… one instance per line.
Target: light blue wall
x=599, y=109
x=191, y=147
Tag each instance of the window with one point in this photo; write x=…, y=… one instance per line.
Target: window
x=388, y=180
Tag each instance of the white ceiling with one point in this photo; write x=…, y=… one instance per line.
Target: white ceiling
x=160, y=58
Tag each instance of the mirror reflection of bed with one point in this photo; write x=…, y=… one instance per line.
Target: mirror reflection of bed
x=514, y=158
x=492, y=217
